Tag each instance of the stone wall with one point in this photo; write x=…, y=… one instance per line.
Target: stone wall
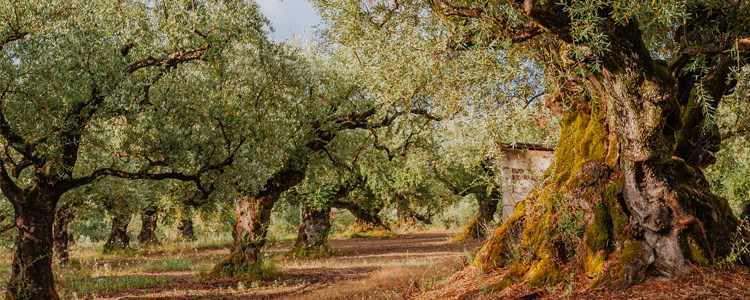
x=523, y=166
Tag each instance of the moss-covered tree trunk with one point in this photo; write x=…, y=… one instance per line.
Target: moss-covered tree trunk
x=617, y=200
x=32, y=276
x=149, y=221
x=479, y=226
x=312, y=234
x=62, y=236
x=625, y=193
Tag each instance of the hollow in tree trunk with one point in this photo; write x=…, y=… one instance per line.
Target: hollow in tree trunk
x=62, y=236
x=149, y=221
x=32, y=276
x=312, y=234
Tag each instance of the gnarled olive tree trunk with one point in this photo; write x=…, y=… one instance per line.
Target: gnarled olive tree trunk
x=367, y=219
x=253, y=218
x=617, y=200
x=625, y=192
x=479, y=226
x=313, y=231
x=186, y=228
x=149, y=221
x=118, y=237
x=32, y=276
x=62, y=236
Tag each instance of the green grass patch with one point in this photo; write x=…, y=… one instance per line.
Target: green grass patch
x=170, y=264
x=87, y=287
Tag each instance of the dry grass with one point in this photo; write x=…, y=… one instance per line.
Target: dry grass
x=392, y=281
x=376, y=268
x=707, y=284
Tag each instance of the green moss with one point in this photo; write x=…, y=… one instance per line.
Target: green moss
x=696, y=253
x=494, y=251
x=631, y=258
x=632, y=250
x=597, y=235
x=594, y=263
x=471, y=231
x=543, y=273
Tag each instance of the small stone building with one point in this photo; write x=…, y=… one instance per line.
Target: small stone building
x=523, y=166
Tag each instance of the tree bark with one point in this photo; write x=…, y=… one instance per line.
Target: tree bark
x=624, y=195
x=186, y=228
x=118, y=237
x=62, y=236
x=312, y=234
x=150, y=219
x=616, y=202
x=408, y=217
x=32, y=276
x=253, y=218
x=479, y=226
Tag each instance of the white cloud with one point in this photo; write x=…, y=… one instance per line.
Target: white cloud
x=290, y=17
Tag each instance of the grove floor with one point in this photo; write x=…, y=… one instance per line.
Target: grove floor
x=373, y=268
x=424, y=265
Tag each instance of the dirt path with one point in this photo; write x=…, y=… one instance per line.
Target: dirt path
x=359, y=269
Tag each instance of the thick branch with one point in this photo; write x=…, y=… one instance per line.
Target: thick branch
x=7, y=186
x=146, y=174
x=171, y=60
x=457, y=11
x=515, y=34
x=16, y=35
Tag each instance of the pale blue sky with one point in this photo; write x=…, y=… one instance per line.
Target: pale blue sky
x=290, y=17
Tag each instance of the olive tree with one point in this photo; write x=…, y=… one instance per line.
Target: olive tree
x=636, y=85
x=75, y=71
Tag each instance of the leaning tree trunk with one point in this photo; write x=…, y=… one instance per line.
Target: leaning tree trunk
x=615, y=201
x=312, y=234
x=32, y=276
x=479, y=226
x=149, y=220
x=407, y=216
x=365, y=219
x=118, y=237
x=61, y=234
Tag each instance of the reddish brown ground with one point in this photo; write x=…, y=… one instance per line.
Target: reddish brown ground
x=409, y=266
x=358, y=269
x=703, y=284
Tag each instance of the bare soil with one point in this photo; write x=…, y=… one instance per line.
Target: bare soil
x=377, y=268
